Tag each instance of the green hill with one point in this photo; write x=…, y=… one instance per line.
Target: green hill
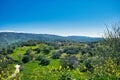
x=7, y=38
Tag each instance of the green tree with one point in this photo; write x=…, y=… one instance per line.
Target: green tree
x=25, y=59
x=69, y=61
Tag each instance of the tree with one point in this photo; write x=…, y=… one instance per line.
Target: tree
x=71, y=50
x=28, y=52
x=10, y=50
x=37, y=50
x=56, y=55
x=25, y=59
x=69, y=61
x=39, y=57
x=44, y=62
x=46, y=51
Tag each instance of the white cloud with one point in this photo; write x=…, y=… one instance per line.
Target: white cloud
x=7, y=31
x=12, y=31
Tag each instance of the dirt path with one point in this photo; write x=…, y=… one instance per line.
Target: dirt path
x=17, y=70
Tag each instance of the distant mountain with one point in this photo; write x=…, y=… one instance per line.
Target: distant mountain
x=7, y=38
x=83, y=39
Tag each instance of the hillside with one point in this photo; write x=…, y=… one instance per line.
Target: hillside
x=7, y=38
x=65, y=60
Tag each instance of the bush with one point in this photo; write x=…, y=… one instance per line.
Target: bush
x=46, y=51
x=44, y=62
x=30, y=43
x=56, y=55
x=39, y=58
x=71, y=51
x=28, y=52
x=89, y=66
x=10, y=50
x=69, y=61
x=25, y=59
x=84, y=52
x=112, y=39
x=37, y=50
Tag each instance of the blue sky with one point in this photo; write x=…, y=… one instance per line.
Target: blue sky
x=60, y=17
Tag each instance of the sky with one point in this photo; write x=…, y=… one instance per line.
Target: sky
x=59, y=17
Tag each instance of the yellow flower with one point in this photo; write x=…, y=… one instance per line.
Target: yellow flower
x=113, y=71
x=117, y=74
x=108, y=69
x=0, y=60
x=60, y=67
x=4, y=58
x=67, y=67
x=2, y=72
x=101, y=67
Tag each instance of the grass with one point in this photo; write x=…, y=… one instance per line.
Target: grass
x=33, y=68
x=29, y=67
x=21, y=50
x=33, y=71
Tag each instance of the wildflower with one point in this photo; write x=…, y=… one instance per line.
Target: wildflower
x=60, y=67
x=113, y=70
x=101, y=67
x=117, y=74
x=67, y=67
x=0, y=60
x=2, y=72
x=4, y=58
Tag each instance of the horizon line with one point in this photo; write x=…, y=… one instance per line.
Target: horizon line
x=12, y=31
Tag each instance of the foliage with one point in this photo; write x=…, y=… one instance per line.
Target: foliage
x=71, y=50
x=28, y=52
x=8, y=38
x=39, y=57
x=70, y=61
x=25, y=59
x=112, y=39
x=56, y=55
x=37, y=50
x=44, y=62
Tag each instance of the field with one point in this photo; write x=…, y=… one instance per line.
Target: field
x=61, y=61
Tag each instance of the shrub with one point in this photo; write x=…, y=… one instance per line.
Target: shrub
x=44, y=62
x=37, y=50
x=46, y=51
x=29, y=51
x=29, y=43
x=71, y=50
x=69, y=61
x=112, y=39
x=25, y=59
x=84, y=52
x=56, y=55
x=89, y=66
x=39, y=57
x=10, y=50
x=66, y=76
